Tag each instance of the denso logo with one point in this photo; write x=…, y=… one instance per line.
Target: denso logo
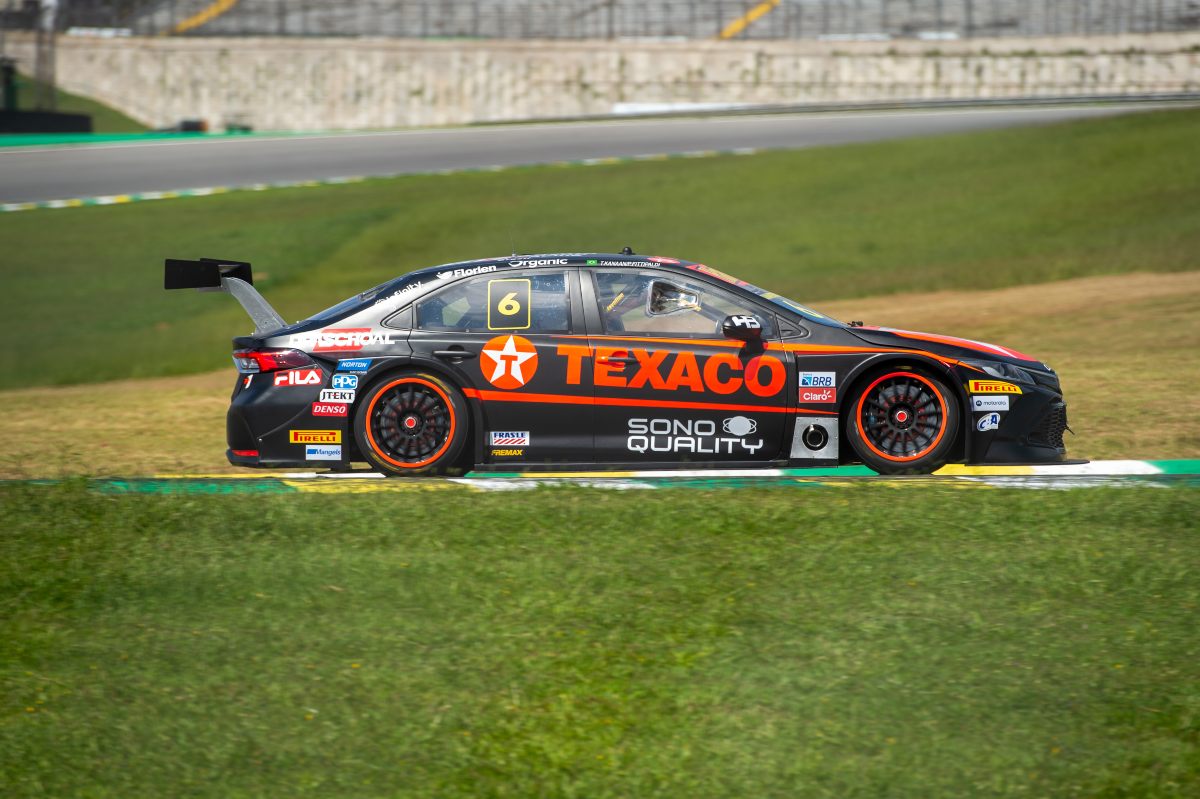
x=722, y=373
x=818, y=395
x=330, y=409
x=299, y=377
x=348, y=339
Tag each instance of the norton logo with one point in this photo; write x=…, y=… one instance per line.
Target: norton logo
x=993, y=387
x=315, y=436
x=349, y=339
x=509, y=361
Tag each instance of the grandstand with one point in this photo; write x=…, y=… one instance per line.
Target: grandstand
x=618, y=19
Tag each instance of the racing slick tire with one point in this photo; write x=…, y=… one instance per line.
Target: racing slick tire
x=412, y=423
x=902, y=421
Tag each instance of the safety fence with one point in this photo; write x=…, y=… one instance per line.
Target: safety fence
x=611, y=19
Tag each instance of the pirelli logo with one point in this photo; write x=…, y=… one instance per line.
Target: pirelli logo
x=993, y=387
x=315, y=436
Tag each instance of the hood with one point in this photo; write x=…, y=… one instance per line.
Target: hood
x=951, y=346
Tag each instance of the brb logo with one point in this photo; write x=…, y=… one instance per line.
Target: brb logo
x=818, y=379
x=509, y=362
x=345, y=381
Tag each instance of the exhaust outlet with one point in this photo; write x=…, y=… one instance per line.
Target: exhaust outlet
x=815, y=437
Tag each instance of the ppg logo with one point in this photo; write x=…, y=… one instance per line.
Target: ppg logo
x=345, y=381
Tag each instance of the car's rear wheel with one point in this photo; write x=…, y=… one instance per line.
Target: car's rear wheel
x=903, y=422
x=412, y=424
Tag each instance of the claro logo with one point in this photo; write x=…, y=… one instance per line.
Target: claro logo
x=722, y=373
x=349, y=339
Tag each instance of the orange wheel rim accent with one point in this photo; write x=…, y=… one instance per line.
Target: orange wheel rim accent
x=866, y=439
x=449, y=435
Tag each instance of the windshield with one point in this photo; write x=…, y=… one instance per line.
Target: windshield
x=770, y=296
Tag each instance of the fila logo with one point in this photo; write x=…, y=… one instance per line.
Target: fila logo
x=299, y=377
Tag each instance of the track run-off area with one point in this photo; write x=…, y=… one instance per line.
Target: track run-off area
x=1085, y=474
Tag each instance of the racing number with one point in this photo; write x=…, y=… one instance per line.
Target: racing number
x=508, y=304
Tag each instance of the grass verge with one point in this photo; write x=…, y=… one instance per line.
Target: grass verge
x=1097, y=332
x=974, y=211
x=105, y=119
x=566, y=642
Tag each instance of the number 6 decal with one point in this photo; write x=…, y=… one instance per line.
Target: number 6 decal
x=508, y=304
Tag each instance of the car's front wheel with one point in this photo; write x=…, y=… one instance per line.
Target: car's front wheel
x=411, y=424
x=903, y=422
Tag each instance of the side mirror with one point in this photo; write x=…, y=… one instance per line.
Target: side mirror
x=742, y=328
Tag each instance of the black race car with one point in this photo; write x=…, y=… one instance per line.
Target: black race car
x=569, y=360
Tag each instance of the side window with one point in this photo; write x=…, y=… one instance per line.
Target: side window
x=667, y=305
x=535, y=303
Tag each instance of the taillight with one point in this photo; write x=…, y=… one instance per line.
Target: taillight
x=269, y=360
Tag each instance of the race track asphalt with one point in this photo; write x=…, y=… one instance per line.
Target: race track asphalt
x=31, y=174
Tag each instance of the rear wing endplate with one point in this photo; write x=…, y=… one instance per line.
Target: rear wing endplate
x=231, y=277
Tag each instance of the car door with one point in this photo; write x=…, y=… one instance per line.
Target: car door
x=499, y=334
x=669, y=387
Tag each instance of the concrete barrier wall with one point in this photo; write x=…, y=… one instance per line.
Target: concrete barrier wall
x=308, y=84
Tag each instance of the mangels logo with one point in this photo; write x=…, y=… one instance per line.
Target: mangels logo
x=299, y=377
x=349, y=339
x=692, y=435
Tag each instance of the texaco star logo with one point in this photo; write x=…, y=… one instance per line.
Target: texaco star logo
x=508, y=361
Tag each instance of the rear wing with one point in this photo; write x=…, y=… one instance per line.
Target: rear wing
x=231, y=277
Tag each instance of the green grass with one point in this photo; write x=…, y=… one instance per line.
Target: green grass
x=83, y=300
x=824, y=642
x=105, y=119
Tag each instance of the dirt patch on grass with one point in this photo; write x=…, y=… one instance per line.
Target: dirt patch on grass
x=1125, y=347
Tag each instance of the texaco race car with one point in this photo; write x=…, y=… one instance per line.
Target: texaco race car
x=607, y=361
